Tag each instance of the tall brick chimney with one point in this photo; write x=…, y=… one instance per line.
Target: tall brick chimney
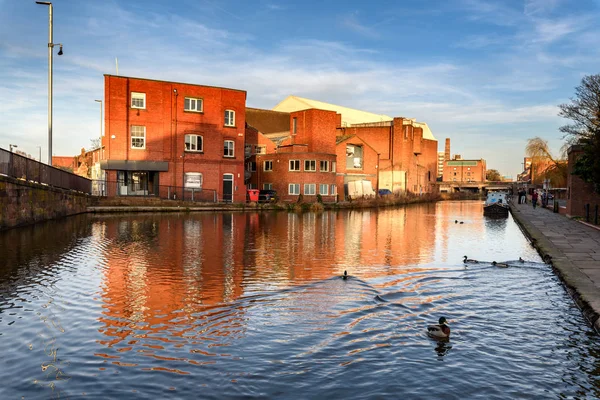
x=447, y=150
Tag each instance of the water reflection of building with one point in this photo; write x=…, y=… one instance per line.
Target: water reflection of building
x=159, y=268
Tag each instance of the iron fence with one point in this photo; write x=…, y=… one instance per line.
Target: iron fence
x=118, y=188
x=17, y=166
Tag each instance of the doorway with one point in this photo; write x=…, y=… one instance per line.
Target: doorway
x=228, y=188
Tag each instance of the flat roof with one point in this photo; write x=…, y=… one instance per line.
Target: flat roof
x=181, y=83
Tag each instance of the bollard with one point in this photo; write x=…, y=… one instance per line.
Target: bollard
x=555, y=208
x=596, y=215
x=587, y=212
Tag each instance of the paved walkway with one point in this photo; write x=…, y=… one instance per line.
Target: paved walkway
x=572, y=248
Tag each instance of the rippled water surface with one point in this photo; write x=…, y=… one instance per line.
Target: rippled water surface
x=244, y=304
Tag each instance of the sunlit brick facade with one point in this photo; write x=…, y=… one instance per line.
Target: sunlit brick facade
x=163, y=136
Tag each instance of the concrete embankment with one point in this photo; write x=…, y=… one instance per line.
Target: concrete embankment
x=573, y=250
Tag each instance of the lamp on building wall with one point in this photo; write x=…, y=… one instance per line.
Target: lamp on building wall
x=60, y=53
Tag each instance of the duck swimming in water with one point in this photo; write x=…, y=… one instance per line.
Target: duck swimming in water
x=441, y=330
x=501, y=265
x=469, y=261
x=345, y=276
x=461, y=222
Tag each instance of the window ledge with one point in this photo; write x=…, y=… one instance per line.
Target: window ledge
x=193, y=111
x=229, y=126
x=194, y=151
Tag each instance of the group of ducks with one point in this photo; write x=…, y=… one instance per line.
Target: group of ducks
x=467, y=260
x=441, y=330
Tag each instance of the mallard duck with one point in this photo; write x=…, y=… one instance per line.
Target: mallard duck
x=441, y=330
x=461, y=222
x=456, y=221
x=345, y=276
x=469, y=261
x=501, y=265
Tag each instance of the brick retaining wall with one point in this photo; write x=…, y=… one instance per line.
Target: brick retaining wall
x=23, y=203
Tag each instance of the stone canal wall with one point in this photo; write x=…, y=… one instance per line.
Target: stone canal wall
x=573, y=250
x=23, y=203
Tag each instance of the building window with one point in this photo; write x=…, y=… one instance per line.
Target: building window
x=309, y=189
x=193, y=180
x=323, y=189
x=294, y=188
x=333, y=165
x=268, y=166
x=193, y=143
x=405, y=131
x=229, y=148
x=294, y=125
x=267, y=186
x=192, y=104
x=251, y=166
x=324, y=166
x=247, y=150
x=310, y=165
x=261, y=149
x=138, y=100
x=354, y=156
x=138, y=137
x=333, y=190
x=229, y=118
x=294, y=165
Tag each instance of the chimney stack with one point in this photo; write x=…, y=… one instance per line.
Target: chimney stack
x=447, y=150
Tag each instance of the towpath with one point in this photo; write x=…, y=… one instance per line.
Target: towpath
x=572, y=248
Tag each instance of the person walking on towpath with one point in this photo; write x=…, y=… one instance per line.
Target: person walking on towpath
x=534, y=198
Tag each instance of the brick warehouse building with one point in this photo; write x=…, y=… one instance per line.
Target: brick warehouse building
x=163, y=136
x=407, y=148
x=299, y=161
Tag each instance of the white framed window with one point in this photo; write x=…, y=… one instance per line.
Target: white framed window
x=193, y=180
x=333, y=190
x=333, y=165
x=267, y=186
x=324, y=167
x=229, y=118
x=294, y=188
x=310, y=165
x=138, y=100
x=261, y=149
x=192, y=104
x=247, y=149
x=193, y=143
x=229, y=148
x=294, y=165
x=138, y=137
x=323, y=189
x=309, y=189
x=268, y=166
x=251, y=166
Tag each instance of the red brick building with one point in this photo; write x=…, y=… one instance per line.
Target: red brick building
x=168, y=139
x=301, y=161
x=464, y=171
x=579, y=193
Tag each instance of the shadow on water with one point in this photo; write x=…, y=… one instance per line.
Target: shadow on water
x=253, y=305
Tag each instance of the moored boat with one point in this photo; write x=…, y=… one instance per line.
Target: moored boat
x=496, y=204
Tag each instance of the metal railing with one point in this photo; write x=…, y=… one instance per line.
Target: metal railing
x=106, y=188
x=17, y=166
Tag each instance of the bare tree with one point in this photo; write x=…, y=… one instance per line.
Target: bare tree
x=95, y=144
x=544, y=165
x=584, y=112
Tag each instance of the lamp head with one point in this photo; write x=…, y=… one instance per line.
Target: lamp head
x=60, y=52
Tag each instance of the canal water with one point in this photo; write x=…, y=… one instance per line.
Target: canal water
x=252, y=305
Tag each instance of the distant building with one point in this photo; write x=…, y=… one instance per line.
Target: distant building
x=440, y=164
x=461, y=171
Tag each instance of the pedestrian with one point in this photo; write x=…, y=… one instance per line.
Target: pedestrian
x=534, y=198
x=544, y=199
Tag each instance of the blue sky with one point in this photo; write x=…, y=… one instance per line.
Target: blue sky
x=488, y=74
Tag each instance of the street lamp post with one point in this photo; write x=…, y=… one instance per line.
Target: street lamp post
x=60, y=52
